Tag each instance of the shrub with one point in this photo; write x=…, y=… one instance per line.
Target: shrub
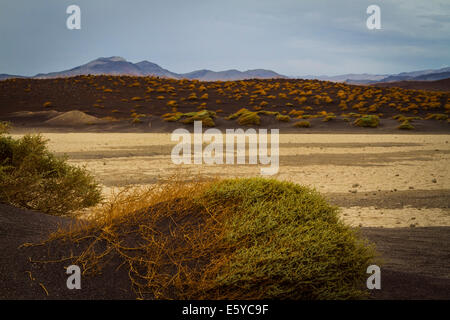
x=249, y=118
x=246, y=117
x=329, y=118
x=371, y=121
x=268, y=113
x=172, y=117
x=4, y=127
x=436, y=116
x=32, y=177
x=231, y=239
x=296, y=113
x=406, y=125
x=302, y=124
x=172, y=103
x=192, y=96
x=283, y=118
x=205, y=116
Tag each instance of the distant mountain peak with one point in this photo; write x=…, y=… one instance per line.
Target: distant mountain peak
x=115, y=58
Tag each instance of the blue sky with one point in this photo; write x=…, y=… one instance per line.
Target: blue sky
x=292, y=37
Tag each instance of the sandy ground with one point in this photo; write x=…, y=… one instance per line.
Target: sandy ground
x=377, y=180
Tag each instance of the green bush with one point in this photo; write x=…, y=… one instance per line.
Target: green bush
x=370, y=121
x=32, y=177
x=228, y=239
x=289, y=242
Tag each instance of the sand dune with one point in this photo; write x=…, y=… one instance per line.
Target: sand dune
x=73, y=118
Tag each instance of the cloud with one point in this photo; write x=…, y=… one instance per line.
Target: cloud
x=291, y=36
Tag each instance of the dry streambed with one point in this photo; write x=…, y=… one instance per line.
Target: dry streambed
x=378, y=180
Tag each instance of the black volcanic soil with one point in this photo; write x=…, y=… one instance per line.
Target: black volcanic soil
x=415, y=266
x=118, y=99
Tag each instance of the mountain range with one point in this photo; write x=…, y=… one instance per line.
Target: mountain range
x=120, y=66
x=365, y=78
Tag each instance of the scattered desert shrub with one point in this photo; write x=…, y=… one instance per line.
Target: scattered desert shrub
x=296, y=113
x=302, y=124
x=268, y=113
x=172, y=103
x=172, y=117
x=329, y=117
x=436, y=116
x=192, y=96
x=246, y=117
x=283, y=118
x=249, y=118
x=406, y=125
x=205, y=116
x=32, y=177
x=371, y=121
x=136, y=118
x=231, y=239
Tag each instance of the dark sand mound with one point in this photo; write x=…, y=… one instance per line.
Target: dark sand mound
x=416, y=265
x=73, y=118
x=18, y=226
x=22, y=279
x=416, y=262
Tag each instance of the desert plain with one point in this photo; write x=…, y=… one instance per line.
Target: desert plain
x=379, y=180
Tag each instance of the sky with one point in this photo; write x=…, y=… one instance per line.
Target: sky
x=291, y=37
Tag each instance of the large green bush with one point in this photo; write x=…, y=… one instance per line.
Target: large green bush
x=32, y=177
x=227, y=239
x=289, y=243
